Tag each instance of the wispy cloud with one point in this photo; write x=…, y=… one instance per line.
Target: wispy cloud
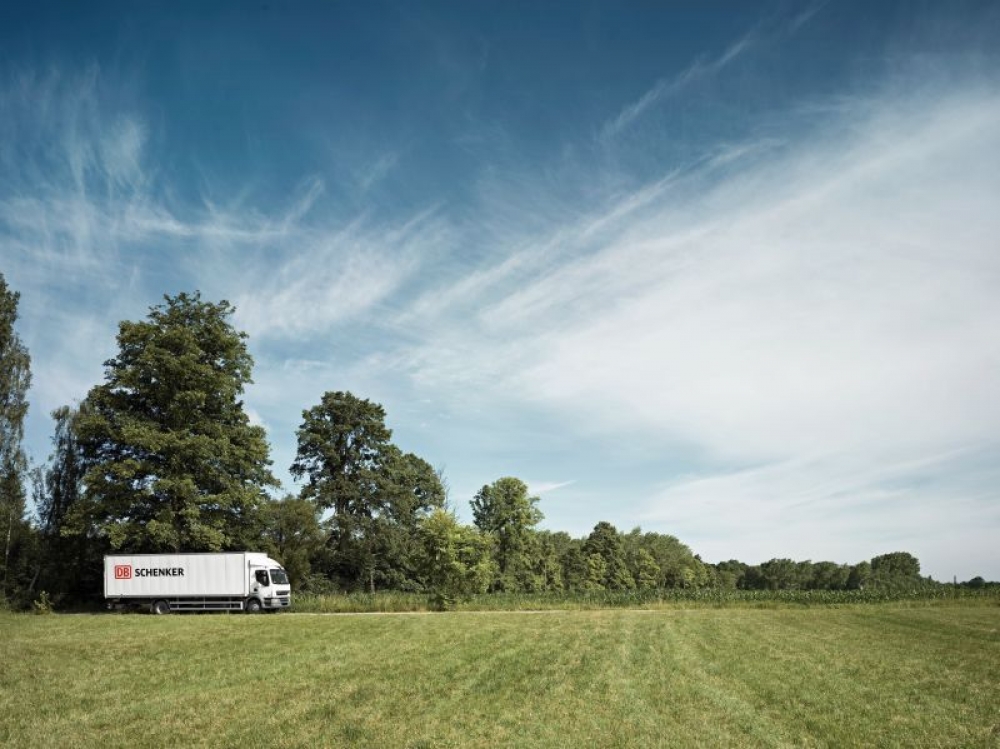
x=82, y=200
x=665, y=88
x=378, y=171
x=336, y=275
x=544, y=487
x=705, y=68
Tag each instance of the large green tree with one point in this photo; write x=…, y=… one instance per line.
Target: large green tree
x=676, y=566
x=173, y=462
x=605, y=543
x=15, y=378
x=506, y=512
x=896, y=564
x=375, y=493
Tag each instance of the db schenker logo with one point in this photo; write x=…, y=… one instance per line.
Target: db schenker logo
x=123, y=572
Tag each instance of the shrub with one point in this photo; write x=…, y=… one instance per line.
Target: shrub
x=43, y=604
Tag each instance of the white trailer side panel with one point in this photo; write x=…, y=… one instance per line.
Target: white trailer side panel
x=176, y=575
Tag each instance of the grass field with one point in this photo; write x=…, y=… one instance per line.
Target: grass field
x=820, y=676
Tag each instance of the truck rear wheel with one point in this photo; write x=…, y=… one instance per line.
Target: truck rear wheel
x=253, y=606
x=160, y=607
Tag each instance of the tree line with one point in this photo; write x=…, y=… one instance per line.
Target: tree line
x=162, y=457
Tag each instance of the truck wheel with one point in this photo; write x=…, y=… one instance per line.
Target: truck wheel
x=160, y=607
x=253, y=606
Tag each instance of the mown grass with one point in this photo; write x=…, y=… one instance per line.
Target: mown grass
x=834, y=676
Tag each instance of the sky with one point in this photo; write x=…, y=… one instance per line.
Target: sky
x=723, y=270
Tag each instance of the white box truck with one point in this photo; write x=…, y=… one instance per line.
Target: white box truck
x=236, y=581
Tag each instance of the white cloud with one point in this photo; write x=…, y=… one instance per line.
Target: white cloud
x=545, y=487
x=336, y=275
x=835, y=298
x=665, y=88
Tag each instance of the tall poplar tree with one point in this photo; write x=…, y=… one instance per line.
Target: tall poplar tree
x=173, y=462
x=15, y=378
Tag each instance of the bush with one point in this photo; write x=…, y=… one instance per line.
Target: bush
x=441, y=600
x=43, y=604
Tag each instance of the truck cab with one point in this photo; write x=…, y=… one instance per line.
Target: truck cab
x=269, y=587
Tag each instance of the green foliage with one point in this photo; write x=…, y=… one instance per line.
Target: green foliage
x=676, y=565
x=291, y=534
x=575, y=566
x=71, y=563
x=64, y=477
x=780, y=574
x=611, y=572
x=859, y=575
x=548, y=568
x=895, y=564
x=829, y=576
x=454, y=561
x=597, y=572
x=646, y=570
x=16, y=534
x=377, y=493
x=43, y=604
x=506, y=512
x=173, y=462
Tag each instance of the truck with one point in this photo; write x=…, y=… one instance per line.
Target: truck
x=162, y=583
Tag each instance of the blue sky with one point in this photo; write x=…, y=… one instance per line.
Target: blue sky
x=722, y=270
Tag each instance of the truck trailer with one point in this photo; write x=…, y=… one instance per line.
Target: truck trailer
x=234, y=581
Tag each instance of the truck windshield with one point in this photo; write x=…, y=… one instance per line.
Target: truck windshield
x=278, y=577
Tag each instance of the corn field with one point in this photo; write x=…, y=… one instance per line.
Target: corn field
x=394, y=601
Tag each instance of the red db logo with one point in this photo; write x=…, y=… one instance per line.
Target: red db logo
x=123, y=572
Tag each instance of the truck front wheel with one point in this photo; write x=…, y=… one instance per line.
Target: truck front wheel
x=253, y=606
x=160, y=607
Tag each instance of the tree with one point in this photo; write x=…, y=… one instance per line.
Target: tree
x=779, y=574
x=292, y=535
x=606, y=543
x=597, y=572
x=645, y=570
x=411, y=489
x=575, y=568
x=506, y=512
x=173, y=462
x=731, y=573
x=454, y=559
x=897, y=564
x=377, y=493
x=547, y=565
x=859, y=576
x=676, y=565
x=829, y=576
x=64, y=477
x=71, y=562
x=15, y=379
